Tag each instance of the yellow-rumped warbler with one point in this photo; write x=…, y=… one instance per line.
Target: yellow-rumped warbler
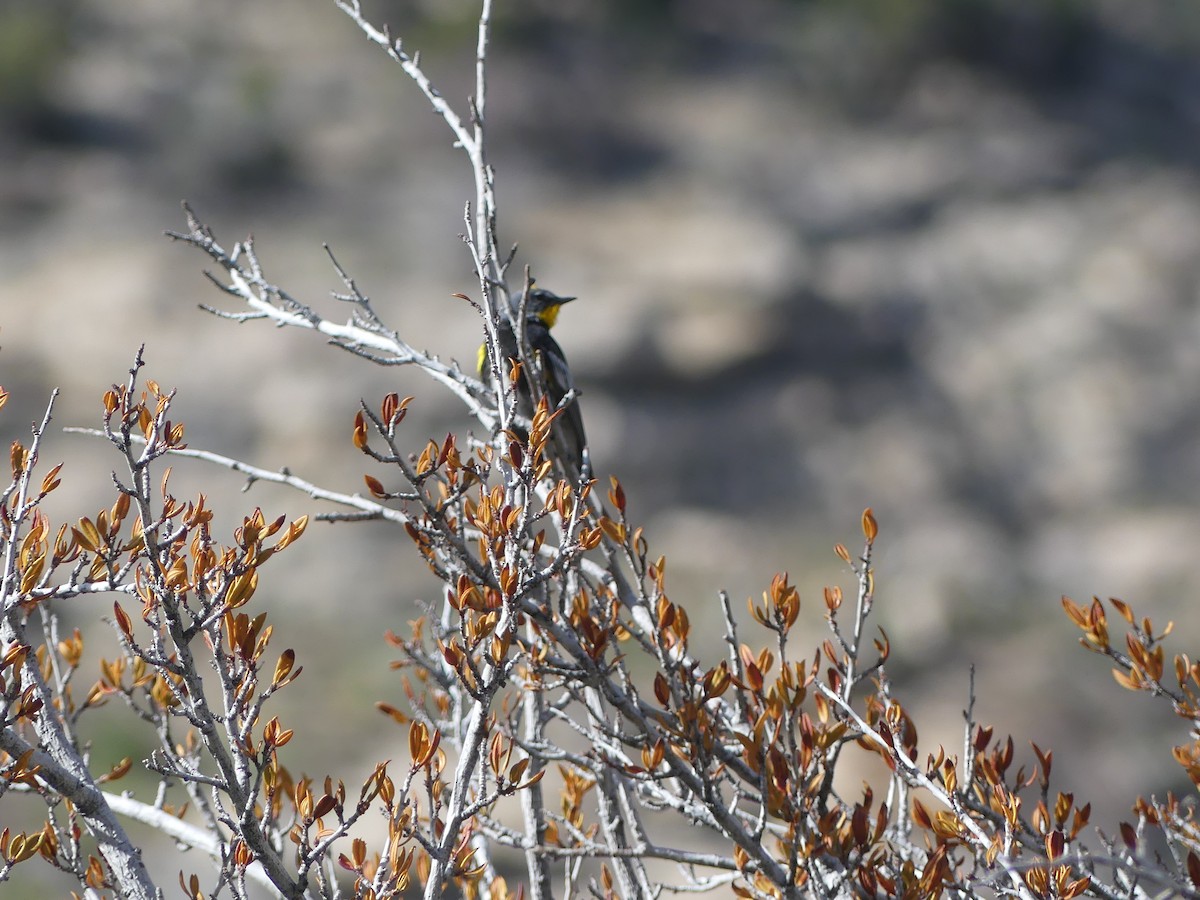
x=541, y=312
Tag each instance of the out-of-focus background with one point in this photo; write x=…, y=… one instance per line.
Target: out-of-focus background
x=939, y=258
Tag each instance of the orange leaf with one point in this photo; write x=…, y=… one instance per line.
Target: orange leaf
x=869, y=526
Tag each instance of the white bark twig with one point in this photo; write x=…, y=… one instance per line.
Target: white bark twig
x=268, y=301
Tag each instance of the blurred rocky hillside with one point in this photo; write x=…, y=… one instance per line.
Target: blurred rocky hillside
x=939, y=258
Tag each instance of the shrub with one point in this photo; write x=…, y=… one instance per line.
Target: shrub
x=557, y=720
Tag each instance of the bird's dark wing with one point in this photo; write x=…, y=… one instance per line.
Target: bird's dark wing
x=569, y=431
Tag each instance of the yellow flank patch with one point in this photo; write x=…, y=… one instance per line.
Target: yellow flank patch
x=481, y=359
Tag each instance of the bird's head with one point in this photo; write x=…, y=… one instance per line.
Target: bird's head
x=543, y=306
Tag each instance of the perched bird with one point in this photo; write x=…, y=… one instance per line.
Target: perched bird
x=541, y=312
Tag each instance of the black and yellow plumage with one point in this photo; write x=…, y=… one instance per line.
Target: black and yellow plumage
x=541, y=312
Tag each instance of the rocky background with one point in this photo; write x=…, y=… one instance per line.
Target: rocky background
x=939, y=258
